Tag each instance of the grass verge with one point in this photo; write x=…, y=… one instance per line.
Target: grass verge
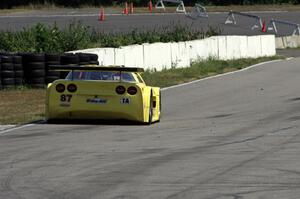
x=22, y=106
x=199, y=70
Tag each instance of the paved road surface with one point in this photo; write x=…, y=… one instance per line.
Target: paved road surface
x=235, y=136
x=121, y=23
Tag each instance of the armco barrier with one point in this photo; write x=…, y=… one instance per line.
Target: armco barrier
x=166, y=55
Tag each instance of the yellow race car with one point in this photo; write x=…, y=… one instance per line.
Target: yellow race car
x=97, y=92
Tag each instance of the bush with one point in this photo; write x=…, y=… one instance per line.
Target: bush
x=50, y=39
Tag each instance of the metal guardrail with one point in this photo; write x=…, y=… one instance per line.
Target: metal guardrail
x=197, y=12
x=180, y=8
x=272, y=26
x=231, y=19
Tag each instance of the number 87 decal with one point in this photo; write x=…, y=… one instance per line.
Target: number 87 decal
x=65, y=98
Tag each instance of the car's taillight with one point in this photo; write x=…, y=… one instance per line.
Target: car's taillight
x=60, y=88
x=72, y=88
x=120, y=90
x=132, y=90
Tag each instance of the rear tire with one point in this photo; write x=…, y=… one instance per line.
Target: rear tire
x=150, y=110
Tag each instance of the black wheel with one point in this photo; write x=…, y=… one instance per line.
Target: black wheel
x=50, y=79
x=150, y=109
x=37, y=85
x=8, y=81
x=18, y=81
x=69, y=59
x=7, y=74
x=40, y=80
x=159, y=106
x=94, y=62
x=19, y=74
x=50, y=63
x=6, y=59
x=37, y=73
x=7, y=66
x=18, y=67
x=93, y=57
x=17, y=59
x=84, y=63
x=83, y=57
x=36, y=65
x=53, y=73
x=52, y=58
x=35, y=57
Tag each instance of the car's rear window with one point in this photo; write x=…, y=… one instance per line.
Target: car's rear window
x=100, y=75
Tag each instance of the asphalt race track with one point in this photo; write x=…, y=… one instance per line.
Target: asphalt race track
x=233, y=136
x=121, y=23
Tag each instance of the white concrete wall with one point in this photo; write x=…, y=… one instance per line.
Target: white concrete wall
x=166, y=55
x=287, y=42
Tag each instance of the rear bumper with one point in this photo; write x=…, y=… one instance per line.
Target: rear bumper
x=94, y=114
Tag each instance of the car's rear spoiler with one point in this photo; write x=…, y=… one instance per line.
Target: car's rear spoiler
x=94, y=68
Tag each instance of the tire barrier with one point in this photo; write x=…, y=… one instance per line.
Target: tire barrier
x=68, y=59
x=18, y=68
x=52, y=59
x=7, y=71
x=33, y=69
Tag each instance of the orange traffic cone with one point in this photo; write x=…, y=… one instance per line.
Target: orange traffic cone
x=264, y=28
x=126, y=9
x=131, y=8
x=150, y=6
x=101, y=15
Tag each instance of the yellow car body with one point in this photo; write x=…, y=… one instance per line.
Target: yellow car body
x=98, y=99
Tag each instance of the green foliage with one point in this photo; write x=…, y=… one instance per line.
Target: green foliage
x=51, y=39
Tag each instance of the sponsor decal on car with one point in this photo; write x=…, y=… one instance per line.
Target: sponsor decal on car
x=96, y=101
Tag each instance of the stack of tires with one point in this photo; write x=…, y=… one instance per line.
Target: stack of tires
x=68, y=59
x=35, y=70
x=7, y=71
x=18, y=68
x=93, y=59
x=52, y=59
x=88, y=59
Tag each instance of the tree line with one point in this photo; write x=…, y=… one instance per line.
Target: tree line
x=77, y=3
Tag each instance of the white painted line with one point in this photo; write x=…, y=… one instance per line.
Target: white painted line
x=16, y=128
x=220, y=75
x=20, y=127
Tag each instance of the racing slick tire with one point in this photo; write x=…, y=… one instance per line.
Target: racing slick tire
x=150, y=110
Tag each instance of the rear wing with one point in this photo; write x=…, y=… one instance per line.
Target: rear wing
x=95, y=68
